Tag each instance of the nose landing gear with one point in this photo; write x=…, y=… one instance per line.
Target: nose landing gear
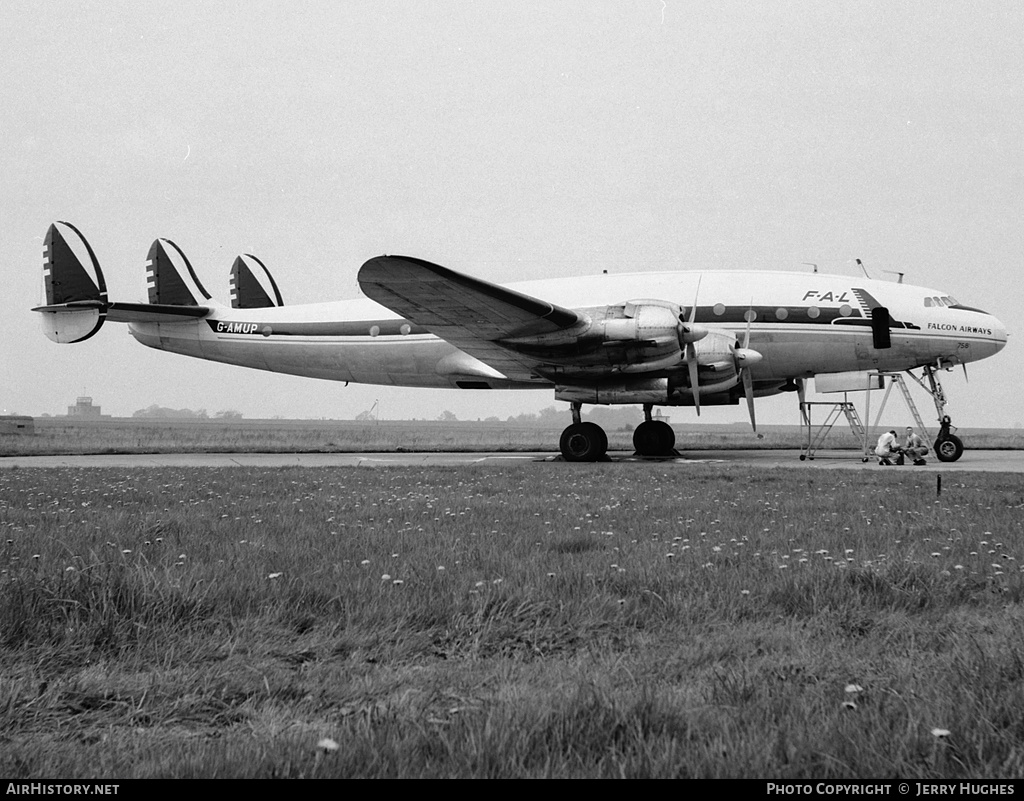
x=948, y=447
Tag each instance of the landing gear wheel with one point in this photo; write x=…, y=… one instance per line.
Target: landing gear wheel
x=583, y=442
x=948, y=448
x=654, y=438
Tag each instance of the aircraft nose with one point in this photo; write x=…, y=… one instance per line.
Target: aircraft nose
x=999, y=333
x=998, y=337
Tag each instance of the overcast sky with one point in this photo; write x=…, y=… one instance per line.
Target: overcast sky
x=507, y=140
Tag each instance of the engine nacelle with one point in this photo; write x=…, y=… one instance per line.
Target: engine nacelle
x=642, y=320
x=716, y=352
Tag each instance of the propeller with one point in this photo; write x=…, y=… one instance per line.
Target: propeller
x=745, y=358
x=688, y=335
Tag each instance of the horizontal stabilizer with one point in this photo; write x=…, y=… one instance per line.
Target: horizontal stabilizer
x=252, y=285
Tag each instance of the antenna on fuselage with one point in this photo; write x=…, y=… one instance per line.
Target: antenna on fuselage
x=863, y=268
x=811, y=264
x=899, y=279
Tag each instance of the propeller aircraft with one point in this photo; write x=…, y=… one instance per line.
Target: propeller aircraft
x=695, y=339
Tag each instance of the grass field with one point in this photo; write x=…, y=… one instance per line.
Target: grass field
x=65, y=436
x=543, y=620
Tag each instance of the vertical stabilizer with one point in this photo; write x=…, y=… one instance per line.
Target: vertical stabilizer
x=65, y=277
x=252, y=285
x=75, y=292
x=170, y=277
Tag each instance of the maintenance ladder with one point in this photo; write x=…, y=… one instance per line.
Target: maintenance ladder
x=845, y=407
x=815, y=440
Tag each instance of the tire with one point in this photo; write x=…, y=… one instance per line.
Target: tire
x=654, y=438
x=583, y=442
x=948, y=448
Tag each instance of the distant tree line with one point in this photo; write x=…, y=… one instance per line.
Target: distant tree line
x=156, y=412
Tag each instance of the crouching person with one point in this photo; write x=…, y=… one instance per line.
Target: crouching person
x=887, y=447
x=913, y=446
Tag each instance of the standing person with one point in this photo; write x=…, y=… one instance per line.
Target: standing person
x=886, y=447
x=913, y=446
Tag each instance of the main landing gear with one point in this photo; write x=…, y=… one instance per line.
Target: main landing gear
x=653, y=437
x=583, y=442
x=587, y=442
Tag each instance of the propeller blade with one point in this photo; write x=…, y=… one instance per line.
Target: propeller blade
x=748, y=391
x=691, y=357
x=801, y=394
x=745, y=357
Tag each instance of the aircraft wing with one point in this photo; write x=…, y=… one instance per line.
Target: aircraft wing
x=474, y=315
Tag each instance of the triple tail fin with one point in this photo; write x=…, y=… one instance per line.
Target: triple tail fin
x=76, y=303
x=253, y=287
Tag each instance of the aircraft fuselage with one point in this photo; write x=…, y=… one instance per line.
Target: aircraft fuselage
x=801, y=324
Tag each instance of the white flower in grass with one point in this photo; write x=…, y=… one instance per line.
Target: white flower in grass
x=365, y=562
x=744, y=592
x=849, y=705
x=385, y=577
x=941, y=733
x=397, y=582
x=327, y=744
x=853, y=688
x=274, y=575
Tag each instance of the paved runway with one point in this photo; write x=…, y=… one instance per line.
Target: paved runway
x=971, y=461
